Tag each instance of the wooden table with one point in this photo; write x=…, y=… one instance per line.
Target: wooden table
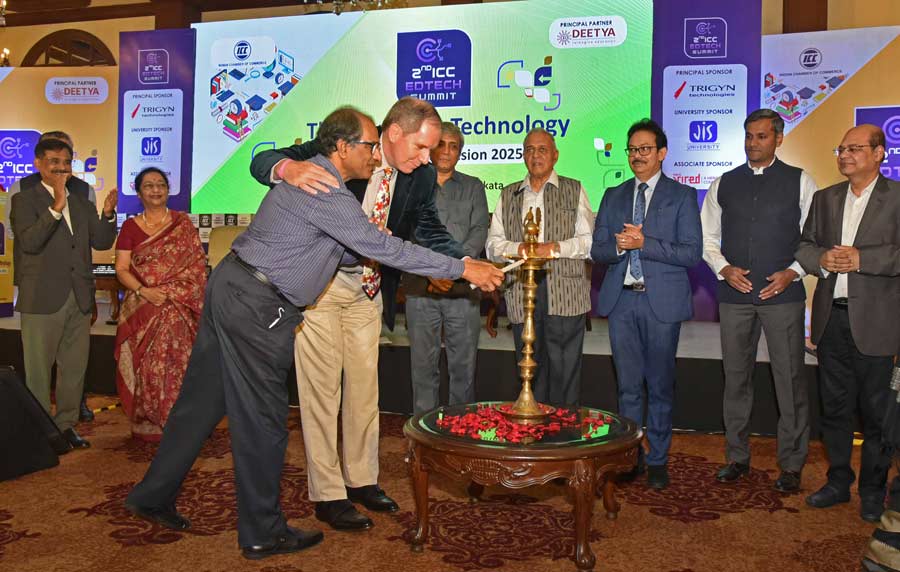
x=589, y=465
x=112, y=285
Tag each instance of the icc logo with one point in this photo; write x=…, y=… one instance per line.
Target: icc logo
x=242, y=50
x=430, y=49
x=703, y=131
x=151, y=146
x=810, y=58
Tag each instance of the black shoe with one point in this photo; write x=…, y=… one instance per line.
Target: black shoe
x=84, y=413
x=75, y=439
x=870, y=509
x=732, y=472
x=827, y=496
x=342, y=515
x=788, y=482
x=373, y=498
x=166, y=517
x=60, y=444
x=872, y=566
x=657, y=477
x=294, y=540
x=639, y=469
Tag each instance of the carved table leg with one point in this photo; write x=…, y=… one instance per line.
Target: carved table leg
x=609, y=497
x=420, y=490
x=475, y=490
x=583, y=487
x=114, y=305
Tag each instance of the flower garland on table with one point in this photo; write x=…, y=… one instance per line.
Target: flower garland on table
x=487, y=423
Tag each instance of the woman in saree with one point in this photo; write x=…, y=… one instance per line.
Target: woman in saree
x=160, y=261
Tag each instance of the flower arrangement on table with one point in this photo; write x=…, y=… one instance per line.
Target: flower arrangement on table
x=487, y=423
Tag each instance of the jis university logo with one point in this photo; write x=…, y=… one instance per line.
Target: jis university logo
x=705, y=38
x=151, y=146
x=435, y=66
x=703, y=131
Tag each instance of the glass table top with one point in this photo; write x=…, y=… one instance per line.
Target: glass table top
x=481, y=424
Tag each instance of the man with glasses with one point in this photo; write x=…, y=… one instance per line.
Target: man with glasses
x=341, y=332
x=563, y=295
x=752, y=217
x=851, y=241
x=648, y=232
x=452, y=306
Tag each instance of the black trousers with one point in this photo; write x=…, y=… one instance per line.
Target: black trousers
x=557, y=351
x=238, y=367
x=851, y=380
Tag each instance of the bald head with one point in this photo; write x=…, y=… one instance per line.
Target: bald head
x=861, y=154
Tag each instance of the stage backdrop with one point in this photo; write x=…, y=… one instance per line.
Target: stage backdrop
x=581, y=69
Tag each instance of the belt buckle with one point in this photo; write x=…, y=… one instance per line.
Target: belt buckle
x=639, y=287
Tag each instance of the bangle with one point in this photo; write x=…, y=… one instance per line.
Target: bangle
x=138, y=291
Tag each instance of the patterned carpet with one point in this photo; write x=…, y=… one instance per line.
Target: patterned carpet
x=71, y=518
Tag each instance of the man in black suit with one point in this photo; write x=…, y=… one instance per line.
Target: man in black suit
x=73, y=185
x=340, y=333
x=851, y=241
x=55, y=230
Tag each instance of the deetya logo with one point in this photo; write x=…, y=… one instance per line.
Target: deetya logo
x=534, y=84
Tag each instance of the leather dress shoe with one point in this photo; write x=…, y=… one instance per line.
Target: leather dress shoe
x=373, y=498
x=164, y=516
x=870, y=509
x=75, y=439
x=294, y=540
x=872, y=566
x=60, y=444
x=732, y=472
x=342, y=515
x=788, y=482
x=828, y=495
x=84, y=412
x=657, y=477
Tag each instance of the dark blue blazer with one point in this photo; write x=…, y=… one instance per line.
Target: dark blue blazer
x=673, y=242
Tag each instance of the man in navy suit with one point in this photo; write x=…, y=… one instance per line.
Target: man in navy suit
x=648, y=232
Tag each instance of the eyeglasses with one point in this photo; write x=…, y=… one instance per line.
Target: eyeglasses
x=643, y=150
x=150, y=186
x=374, y=145
x=852, y=149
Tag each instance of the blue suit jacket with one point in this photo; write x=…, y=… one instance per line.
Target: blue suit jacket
x=673, y=242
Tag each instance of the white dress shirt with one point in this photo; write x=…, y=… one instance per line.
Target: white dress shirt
x=651, y=186
x=711, y=219
x=854, y=209
x=65, y=212
x=578, y=247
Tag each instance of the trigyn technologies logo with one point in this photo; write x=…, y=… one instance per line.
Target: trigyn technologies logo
x=435, y=66
x=242, y=50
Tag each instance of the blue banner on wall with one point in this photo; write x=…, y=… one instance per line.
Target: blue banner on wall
x=156, y=106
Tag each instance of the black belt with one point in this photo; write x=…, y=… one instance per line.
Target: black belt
x=252, y=271
x=636, y=287
x=840, y=302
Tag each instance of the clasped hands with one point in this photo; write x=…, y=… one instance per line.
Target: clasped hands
x=631, y=238
x=840, y=259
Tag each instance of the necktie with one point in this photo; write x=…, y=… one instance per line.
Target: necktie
x=371, y=278
x=640, y=205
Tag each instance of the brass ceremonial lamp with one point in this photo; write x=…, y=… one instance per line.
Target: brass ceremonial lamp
x=526, y=409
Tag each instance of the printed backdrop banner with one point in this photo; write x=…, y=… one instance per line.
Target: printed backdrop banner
x=156, y=98
x=705, y=81
x=578, y=68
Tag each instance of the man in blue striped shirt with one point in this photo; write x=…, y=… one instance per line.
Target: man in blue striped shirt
x=243, y=351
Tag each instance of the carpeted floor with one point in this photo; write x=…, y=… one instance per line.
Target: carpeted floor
x=71, y=518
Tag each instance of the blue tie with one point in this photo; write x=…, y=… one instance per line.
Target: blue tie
x=640, y=205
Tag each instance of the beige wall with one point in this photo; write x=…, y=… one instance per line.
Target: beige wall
x=20, y=39
x=844, y=14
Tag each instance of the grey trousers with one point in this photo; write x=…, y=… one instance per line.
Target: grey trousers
x=64, y=338
x=461, y=320
x=784, y=327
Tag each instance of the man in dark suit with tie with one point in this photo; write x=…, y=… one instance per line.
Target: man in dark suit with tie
x=851, y=241
x=55, y=231
x=648, y=232
x=336, y=350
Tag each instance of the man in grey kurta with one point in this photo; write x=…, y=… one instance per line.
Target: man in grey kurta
x=431, y=303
